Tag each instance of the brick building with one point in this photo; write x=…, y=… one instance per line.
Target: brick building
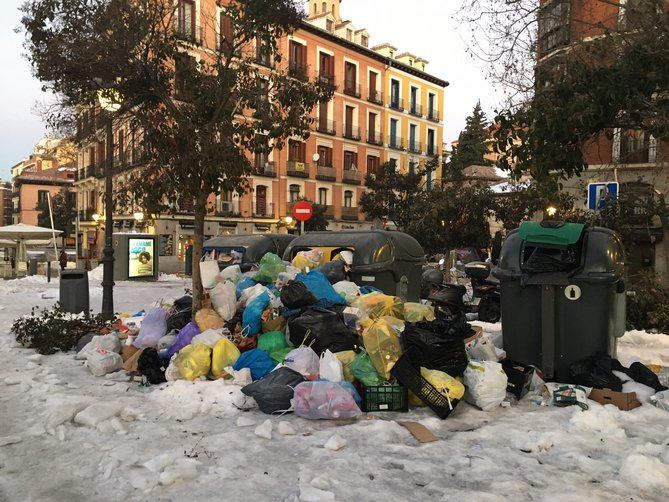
x=386, y=108
x=633, y=158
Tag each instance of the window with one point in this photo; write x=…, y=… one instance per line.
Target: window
x=430, y=142
x=394, y=140
x=553, y=26
x=350, y=161
x=226, y=33
x=348, y=198
x=185, y=65
x=372, y=165
x=42, y=197
x=324, y=156
x=329, y=25
x=326, y=67
x=414, y=99
x=186, y=18
x=349, y=121
x=297, y=151
x=294, y=193
x=413, y=144
x=364, y=41
x=261, y=200
x=635, y=147
x=394, y=165
x=323, y=196
x=350, y=79
x=349, y=35
x=395, y=94
x=263, y=51
x=297, y=57
x=371, y=128
x=324, y=7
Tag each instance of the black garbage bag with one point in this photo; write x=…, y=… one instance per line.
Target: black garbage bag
x=333, y=271
x=181, y=313
x=642, y=374
x=543, y=260
x=322, y=329
x=448, y=323
x=435, y=350
x=596, y=371
x=295, y=295
x=150, y=365
x=83, y=341
x=274, y=392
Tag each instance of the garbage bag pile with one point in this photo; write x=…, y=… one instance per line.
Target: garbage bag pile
x=297, y=337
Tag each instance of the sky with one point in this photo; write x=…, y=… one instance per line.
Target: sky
x=429, y=31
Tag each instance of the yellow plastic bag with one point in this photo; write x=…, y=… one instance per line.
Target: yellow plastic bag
x=308, y=259
x=225, y=354
x=346, y=359
x=444, y=383
x=194, y=361
x=382, y=343
x=416, y=312
x=208, y=319
x=377, y=305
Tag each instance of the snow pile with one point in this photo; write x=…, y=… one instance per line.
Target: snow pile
x=645, y=473
x=648, y=348
x=603, y=420
x=185, y=400
x=169, y=278
x=96, y=273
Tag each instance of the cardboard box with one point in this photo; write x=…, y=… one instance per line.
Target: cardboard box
x=519, y=377
x=420, y=432
x=623, y=400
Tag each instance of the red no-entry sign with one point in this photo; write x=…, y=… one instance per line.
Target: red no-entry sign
x=302, y=211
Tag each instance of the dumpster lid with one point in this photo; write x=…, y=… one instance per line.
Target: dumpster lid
x=551, y=232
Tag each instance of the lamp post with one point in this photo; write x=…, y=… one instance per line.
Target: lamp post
x=110, y=106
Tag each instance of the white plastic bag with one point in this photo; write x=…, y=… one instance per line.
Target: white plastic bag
x=482, y=349
x=209, y=271
x=108, y=342
x=661, y=400
x=102, y=361
x=330, y=367
x=153, y=328
x=349, y=290
x=166, y=342
x=486, y=384
x=209, y=337
x=231, y=273
x=172, y=372
x=224, y=299
x=249, y=294
x=303, y=360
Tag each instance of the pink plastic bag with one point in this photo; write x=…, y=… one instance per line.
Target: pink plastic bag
x=324, y=400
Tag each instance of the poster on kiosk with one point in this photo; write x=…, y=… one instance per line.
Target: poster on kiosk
x=135, y=257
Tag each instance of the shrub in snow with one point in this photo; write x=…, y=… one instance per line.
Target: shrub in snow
x=50, y=331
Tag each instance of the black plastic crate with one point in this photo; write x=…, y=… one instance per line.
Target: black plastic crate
x=410, y=377
x=390, y=397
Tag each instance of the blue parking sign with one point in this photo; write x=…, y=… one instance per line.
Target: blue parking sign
x=599, y=194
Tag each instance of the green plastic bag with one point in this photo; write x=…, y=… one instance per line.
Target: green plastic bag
x=363, y=369
x=279, y=355
x=274, y=340
x=270, y=268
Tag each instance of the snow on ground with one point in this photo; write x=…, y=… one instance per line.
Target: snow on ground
x=67, y=435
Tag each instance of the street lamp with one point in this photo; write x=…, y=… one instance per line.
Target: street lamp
x=110, y=101
x=551, y=211
x=139, y=216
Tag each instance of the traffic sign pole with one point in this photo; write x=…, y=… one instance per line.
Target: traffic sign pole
x=302, y=228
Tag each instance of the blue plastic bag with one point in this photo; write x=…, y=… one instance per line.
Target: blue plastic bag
x=184, y=338
x=251, y=319
x=321, y=288
x=258, y=361
x=365, y=290
x=245, y=283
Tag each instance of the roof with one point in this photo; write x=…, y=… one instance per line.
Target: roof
x=486, y=173
x=383, y=46
x=371, y=53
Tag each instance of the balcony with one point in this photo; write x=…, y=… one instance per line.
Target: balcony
x=86, y=172
x=326, y=127
x=262, y=209
x=396, y=103
x=375, y=97
x=327, y=79
x=433, y=115
x=228, y=209
x=415, y=146
x=374, y=138
x=297, y=169
x=265, y=168
x=297, y=70
x=351, y=88
x=416, y=110
x=351, y=132
x=349, y=213
x=326, y=173
x=351, y=177
x=395, y=142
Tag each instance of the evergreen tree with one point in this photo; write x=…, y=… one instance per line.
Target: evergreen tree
x=472, y=148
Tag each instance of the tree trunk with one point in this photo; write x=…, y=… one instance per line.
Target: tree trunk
x=200, y=211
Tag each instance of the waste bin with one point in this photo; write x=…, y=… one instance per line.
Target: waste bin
x=562, y=293
x=74, y=295
x=32, y=266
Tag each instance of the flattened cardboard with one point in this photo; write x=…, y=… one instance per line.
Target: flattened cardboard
x=625, y=401
x=419, y=431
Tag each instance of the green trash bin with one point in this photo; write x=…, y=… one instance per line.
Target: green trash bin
x=563, y=294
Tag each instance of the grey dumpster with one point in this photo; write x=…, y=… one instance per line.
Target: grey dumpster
x=74, y=295
x=563, y=294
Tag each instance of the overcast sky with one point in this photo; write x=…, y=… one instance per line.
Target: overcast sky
x=424, y=27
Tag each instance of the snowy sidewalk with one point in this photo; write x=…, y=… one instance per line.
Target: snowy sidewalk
x=67, y=435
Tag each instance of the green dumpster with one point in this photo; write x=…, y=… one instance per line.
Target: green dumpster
x=563, y=294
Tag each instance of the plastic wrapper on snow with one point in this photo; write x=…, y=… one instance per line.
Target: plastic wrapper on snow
x=382, y=343
x=324, y=400
x=194, y=361
x=224, y=300
x=486, y=384
x=152, y=329
x=270, y=267
x=377, y=305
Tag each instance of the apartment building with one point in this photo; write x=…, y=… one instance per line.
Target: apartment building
x=5, y=203
x=355, y=133
x=633, y=158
